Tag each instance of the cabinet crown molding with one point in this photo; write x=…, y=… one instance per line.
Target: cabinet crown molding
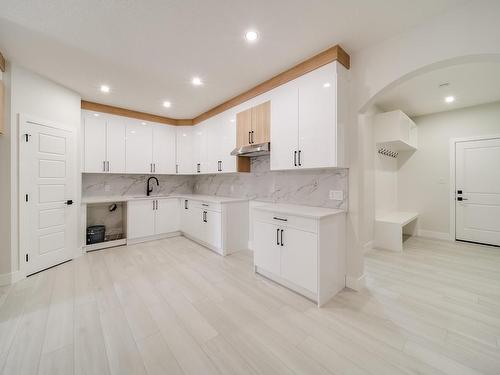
x=335, y=53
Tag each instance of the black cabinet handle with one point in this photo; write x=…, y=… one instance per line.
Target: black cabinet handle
x=295, y=158
x=279, y=218
x=277, y=237
x=282, y=237
x=249, y=140
x=252, y=137
x=300, y=164
x=185, y=204
x=177, y=168
x=69, y=202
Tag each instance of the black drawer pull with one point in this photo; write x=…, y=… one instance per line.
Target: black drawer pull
x=279, y=218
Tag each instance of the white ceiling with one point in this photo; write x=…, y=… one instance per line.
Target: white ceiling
x=147, y=51
x=470, y=84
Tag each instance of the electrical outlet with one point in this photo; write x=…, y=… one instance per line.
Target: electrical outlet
x=336, y=195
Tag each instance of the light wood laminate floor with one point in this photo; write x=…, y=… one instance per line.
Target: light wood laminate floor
x=173, y=307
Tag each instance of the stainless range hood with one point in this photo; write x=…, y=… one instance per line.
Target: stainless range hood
x=253, y=150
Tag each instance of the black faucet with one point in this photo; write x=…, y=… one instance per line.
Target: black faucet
x=150, y=189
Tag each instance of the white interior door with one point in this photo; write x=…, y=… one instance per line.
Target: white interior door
x=47, y=185
x=477, y=176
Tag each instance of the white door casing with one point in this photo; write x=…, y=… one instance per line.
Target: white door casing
x=477, y=183
x=47, y=182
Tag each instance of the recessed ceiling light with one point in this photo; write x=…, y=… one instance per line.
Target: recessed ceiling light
x=326, y=84
x=251, y=36
x=96, y=114
x=449, y=99
x=196, y=81
x=167, y=104
x=232, y=120
x=104, y=88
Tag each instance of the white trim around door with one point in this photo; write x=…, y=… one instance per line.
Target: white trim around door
x=48, y=187
x=453, y=186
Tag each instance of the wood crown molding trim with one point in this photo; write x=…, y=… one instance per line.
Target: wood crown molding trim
x=91, y=106
x=2, y=62
x=335, y=53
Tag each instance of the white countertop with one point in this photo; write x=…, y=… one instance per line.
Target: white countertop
x=198, y=197
x=299, y=210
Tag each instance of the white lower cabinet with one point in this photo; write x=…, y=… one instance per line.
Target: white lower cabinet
x=222, y=227
x=152, y=217
x=305, y=254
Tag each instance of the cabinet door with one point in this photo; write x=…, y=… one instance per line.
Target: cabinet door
x=221, y=140
x=167, y=216
x=140, y=218
x=164, y=149
x=191, y=220
x=266, y=247
x=139, y=145
x=115, y=145
x=299, y=258
x=261, y=123
x=285, y=127
x=200, y=151
x=185, y=160
x=95, y=144
x=317, y=118
x=243, y=127
x=212, y=229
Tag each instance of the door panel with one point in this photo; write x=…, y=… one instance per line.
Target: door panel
x=185, y=157
x=299, y=258
x=139, y=148
x=167, y=216
x=266, y=248
x=47, y=177
x=261, y=123
x=213, y=229
x=284, y=127
x=115, y=145
x=317, y=118
x=243, y=127
x=94, y=144
x=164, y=149
x=140, y=218
x=477, y=176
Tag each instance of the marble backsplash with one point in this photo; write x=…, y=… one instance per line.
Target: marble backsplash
x=308, y=187
x=98, y=184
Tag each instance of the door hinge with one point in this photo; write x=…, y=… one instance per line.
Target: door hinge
x=27, y=197
x=27, y=258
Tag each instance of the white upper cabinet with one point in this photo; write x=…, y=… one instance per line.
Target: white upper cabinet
x=164, y=153
x=395, y=131
x=104, y=143
x=200, y=148
x=307, y=120
x=115, y=144
x=185, y=158
x=95, y=144
x=285, y=126
x=139, y=157
x=317, y=118
x=221, y=140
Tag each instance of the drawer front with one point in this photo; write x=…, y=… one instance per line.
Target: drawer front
x=208, y=206
x=284, y=220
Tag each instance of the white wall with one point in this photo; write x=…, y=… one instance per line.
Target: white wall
x=33, y=95
x=468, y=31
x=424, y=177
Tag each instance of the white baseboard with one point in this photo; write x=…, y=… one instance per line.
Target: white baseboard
x=11, y=278
x=434, y=235
x=368, y=246
x=355, y=283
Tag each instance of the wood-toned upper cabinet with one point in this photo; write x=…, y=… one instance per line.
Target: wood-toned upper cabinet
x=254, y=125
x=261, y=123
x=243, y=128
